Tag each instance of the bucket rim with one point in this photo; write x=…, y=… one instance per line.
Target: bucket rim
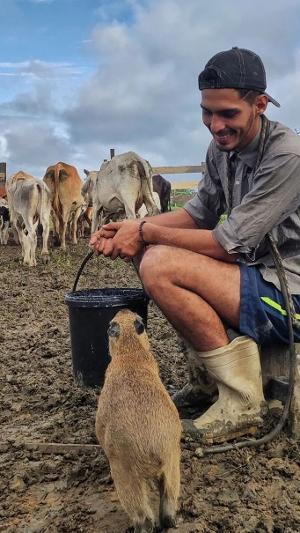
x=105, y=297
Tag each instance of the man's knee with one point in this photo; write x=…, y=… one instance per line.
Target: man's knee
x=154, y=266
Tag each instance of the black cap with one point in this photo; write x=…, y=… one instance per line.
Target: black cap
x=237, y=68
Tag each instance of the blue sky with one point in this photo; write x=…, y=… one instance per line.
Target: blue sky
x=80, y=76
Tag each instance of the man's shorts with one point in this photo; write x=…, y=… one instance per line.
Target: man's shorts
x=262, y=312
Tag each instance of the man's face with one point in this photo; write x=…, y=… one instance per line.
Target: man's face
x=232, y=121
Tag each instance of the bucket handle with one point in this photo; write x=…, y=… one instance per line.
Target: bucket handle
x=84, y=262
x=86, y=259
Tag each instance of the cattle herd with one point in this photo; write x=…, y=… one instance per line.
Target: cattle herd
x=124, y=187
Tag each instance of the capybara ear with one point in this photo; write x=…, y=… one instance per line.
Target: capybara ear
x=86, y=171
x=114, y=330
x=139, y=326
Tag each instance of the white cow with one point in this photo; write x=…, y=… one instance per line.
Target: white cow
x=29, y=202
x=4, y=221
x=119, y=189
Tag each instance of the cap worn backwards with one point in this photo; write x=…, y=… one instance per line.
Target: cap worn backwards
x=237, y=68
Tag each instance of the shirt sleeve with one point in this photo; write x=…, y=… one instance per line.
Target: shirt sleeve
x=274, y=195
x=209, y=203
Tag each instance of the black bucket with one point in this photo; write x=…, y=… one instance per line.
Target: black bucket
x=90, y=312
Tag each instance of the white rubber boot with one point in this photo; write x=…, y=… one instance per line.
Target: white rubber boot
x=201, y=388
x=237, y=371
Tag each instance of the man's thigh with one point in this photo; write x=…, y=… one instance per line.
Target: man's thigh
x=217, y=282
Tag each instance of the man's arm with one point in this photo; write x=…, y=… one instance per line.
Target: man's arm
x=274, y=196
x=179, y=218
x=199, y=240
x=126, y=239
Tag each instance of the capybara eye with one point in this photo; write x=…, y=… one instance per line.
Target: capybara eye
x=114, y=329
x=139, y=326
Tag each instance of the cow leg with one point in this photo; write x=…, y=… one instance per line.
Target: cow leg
x=87, y=218
x=129, y=195
x=74, y=225
x=44, y=220
x=30, y=241
x=129, y=203
x=1, y=230
x=25, y=247
x=151, y=207
x=63, y=229
x=33, y=245
x=55, y=223
x=16, y=235
x=147, y=193
x=5, y=232
x=97, y=216
x=18, y=231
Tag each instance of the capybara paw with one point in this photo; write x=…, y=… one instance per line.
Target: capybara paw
x=168, y=521
x=146, y=527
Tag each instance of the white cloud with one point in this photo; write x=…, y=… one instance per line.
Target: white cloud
x=40, y=1
x=143, y=93
x=33, y=146
x=4, y=152
x=41, y=69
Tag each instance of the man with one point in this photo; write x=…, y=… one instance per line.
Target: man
x=206, y=275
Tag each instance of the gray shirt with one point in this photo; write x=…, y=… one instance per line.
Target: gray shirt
x=265, y=200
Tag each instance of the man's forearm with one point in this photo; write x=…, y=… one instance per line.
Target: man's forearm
x=179, y=218
x=195, y=240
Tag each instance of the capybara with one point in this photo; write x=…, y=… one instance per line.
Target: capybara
x=138, y=426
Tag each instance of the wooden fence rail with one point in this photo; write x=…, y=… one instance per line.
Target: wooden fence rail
x=187, y=169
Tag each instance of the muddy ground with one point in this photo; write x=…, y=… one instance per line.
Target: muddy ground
x=249, y=490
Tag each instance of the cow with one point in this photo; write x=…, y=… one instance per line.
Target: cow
x=29, y=202
x=84, y=222
x=142, y=212
x=2, y=191
x=120, y=188
x=65, y=185
x=4, y=221
x=163, y=189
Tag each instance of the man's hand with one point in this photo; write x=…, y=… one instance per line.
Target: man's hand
x=118, y=239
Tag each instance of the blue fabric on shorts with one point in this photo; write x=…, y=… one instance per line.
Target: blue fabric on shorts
x=262, y=309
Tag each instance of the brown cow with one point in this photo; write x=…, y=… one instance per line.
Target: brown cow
x=2, y=191
x=163, y=189
x=65, y=185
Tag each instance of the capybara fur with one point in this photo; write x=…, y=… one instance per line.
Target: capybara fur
x=138, y=426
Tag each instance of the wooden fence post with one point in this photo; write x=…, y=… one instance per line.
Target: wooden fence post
x=2, y=179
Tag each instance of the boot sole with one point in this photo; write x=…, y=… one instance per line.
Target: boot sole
x=227, y=434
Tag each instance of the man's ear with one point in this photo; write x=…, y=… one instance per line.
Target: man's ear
x=261, y=103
